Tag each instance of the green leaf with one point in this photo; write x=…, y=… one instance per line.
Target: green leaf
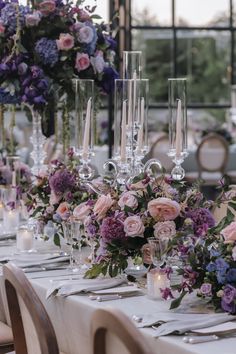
x=57, y=240
x=176, y=302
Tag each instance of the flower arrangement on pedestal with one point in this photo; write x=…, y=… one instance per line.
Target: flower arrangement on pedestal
x=44, y=45
x=209, y=260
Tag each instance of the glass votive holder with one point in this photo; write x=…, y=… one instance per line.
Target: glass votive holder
x=157, y=280
x=11, y=220
x=25, y=239
x=1, y=210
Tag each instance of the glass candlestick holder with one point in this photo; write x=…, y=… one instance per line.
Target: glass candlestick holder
x=178, y=125
x=132, y=64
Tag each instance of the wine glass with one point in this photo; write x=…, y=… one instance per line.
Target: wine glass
x=72, y=234
x=158, y=249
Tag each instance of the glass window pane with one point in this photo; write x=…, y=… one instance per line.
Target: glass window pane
x=156, y=47
x=202, y=13
x=204, y=58
x=148, y=12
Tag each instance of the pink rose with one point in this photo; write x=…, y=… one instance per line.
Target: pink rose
x=133, y=226
x=234, y=253
x=33, y=19
x=65, y=41
x=46, y=7
x=2, y=28
x=82, y=61
x=229, y=232
x=129, y=199
x=81, y=211
x=164, y=229
x=163, y=209
x=63, y=211
x=102, y=205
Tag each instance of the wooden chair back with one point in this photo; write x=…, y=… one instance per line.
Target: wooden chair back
x=117, y=323
x=212, y=154
x=22, y=297
x=159, y=151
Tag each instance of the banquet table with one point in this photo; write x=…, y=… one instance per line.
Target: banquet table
x=71, y=318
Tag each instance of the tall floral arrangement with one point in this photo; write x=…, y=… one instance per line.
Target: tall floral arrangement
x=44, y=45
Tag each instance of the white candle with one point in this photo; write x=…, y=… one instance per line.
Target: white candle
x=140, y=132
x=13, y=179
x=134, y=95
x=87, y=130
x=24, y=239
x=129, y=104
x=123, y=134
x=10, y=220
x=178, y=139
x=1, y=210
x=156, y=280
x=233, y=96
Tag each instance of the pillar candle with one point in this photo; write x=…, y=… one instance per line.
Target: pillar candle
x=87, y=130
x=134, y=93
x=13, y=179
x=10, y=220
x=233, y=96
x=178, y=140
x=156, y=280
x=123, y=134
x=1, y=210
x=24, y=239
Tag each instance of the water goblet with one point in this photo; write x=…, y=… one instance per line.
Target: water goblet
x=158, y=249
x=72, y=234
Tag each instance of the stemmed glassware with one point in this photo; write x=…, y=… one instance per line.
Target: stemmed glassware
x=178, y=125
x=72, y=234
x=158, y=250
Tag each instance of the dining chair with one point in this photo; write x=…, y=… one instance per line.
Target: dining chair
x=159, y=150
x=31, y=326
x=113, y=321
x=6, y=338
x=212, y=156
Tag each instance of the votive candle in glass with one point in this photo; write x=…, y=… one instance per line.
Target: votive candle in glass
x=10, y=220
x=156, y=280
x=24, y=239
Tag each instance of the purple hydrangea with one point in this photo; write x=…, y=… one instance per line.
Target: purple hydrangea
x=228, y=301
x=9, y=16
x=111, y=229
x=47, y=51
x=202, y=220
x=108, y=79
x=61, y=181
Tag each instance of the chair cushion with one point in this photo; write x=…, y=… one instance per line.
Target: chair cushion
x=6, y=336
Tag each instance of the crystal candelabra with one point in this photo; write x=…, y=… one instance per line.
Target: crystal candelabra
x=177, y=126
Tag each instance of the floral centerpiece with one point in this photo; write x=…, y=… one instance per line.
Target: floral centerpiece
x=209, y=258
x=44, y=45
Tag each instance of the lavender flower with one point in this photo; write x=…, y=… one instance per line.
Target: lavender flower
x=111, y=229
x=9, y=16
x=108, y=79
x=202, y=220
x=61, y=181
x=228, y=303
x=47, y=51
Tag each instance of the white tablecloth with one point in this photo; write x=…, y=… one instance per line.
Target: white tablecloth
x=71, y=318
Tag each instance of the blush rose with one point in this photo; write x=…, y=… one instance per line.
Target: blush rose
x=229, y=232
x=163, y=209
x=133, y=226
x=102, y=205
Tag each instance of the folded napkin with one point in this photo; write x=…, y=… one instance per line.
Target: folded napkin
x=191, y=323
x=128, y=290
x=39, y=260
x=84, y=286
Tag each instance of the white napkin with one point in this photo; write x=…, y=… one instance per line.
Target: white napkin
x=83, y=286
x=37, y=259
x=190, y=323
x=128, y=290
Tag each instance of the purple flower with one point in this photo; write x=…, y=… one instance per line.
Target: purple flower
x=202, y=220
x=47, y=51
x=108, y=79
x=221, y=265
x=166, y=294
x=9, y=16
x=231, y=275
x=206, y=289
x=211, y=267
x=61, y=181
x=228, y=300
x=111, y=229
